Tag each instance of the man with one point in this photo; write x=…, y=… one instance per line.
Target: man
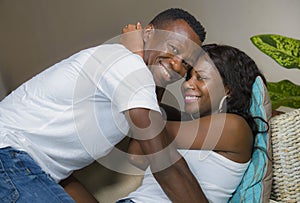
x=77, y=110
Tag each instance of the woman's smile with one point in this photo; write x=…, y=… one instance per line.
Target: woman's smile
x=188, y=98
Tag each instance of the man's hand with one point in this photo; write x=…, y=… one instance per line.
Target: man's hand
x=132, y=38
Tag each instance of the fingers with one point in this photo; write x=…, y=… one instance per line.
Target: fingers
x=138, y=26
x=132, y=38
x=132, y=27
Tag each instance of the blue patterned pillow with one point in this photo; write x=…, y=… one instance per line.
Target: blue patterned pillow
x=257, y=181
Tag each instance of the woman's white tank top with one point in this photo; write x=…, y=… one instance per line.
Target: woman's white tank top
x=217, y=175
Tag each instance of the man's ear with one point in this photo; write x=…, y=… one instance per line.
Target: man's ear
x=148, y=32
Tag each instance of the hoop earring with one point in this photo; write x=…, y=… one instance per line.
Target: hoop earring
x=221, y=103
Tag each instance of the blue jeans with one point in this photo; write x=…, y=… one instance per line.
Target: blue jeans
x=22, y=180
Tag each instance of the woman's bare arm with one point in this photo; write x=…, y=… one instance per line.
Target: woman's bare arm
x=132, y=38
x=228, y=134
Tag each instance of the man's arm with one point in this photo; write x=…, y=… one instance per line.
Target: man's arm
x=167, y=165
x=134, y=149
x=77, y=191
x=137, y=157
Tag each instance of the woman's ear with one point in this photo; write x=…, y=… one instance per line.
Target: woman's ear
x=148, y=32
x=227, y=91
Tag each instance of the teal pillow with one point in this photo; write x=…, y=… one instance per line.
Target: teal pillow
x=256, y=184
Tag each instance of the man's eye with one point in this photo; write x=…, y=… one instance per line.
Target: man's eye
x=174, y=50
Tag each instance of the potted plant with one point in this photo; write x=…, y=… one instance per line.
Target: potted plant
x=286, y=52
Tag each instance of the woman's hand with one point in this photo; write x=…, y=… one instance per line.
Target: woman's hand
x=132, y=38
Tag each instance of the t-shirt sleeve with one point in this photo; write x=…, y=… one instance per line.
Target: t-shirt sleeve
x=129, y=84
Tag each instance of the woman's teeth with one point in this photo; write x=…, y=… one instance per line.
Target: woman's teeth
x=190, y=98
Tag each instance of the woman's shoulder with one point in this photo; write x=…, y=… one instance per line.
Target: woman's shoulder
x=232, y=120
x=237, y=138
x=236, y=134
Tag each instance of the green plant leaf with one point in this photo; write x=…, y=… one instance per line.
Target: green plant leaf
x=284, y=93
x=284, y=50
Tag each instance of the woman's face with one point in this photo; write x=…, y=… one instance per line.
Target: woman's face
x=203, y=91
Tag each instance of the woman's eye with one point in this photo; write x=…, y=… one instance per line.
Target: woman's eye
x=200, y=78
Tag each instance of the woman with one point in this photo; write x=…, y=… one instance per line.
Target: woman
x=217, y=137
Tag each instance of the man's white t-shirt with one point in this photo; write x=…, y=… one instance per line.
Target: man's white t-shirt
x=72, y=113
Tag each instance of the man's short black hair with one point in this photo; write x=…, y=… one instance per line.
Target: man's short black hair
x=173, y=14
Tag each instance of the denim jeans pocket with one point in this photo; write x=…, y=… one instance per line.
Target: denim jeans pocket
x=8, y=192
x=23, y=180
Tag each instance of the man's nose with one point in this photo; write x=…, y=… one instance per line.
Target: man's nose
x=178, y=65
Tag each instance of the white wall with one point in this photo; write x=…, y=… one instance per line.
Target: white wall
x=3, y=90
x=37, y=33
x=233, y=22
